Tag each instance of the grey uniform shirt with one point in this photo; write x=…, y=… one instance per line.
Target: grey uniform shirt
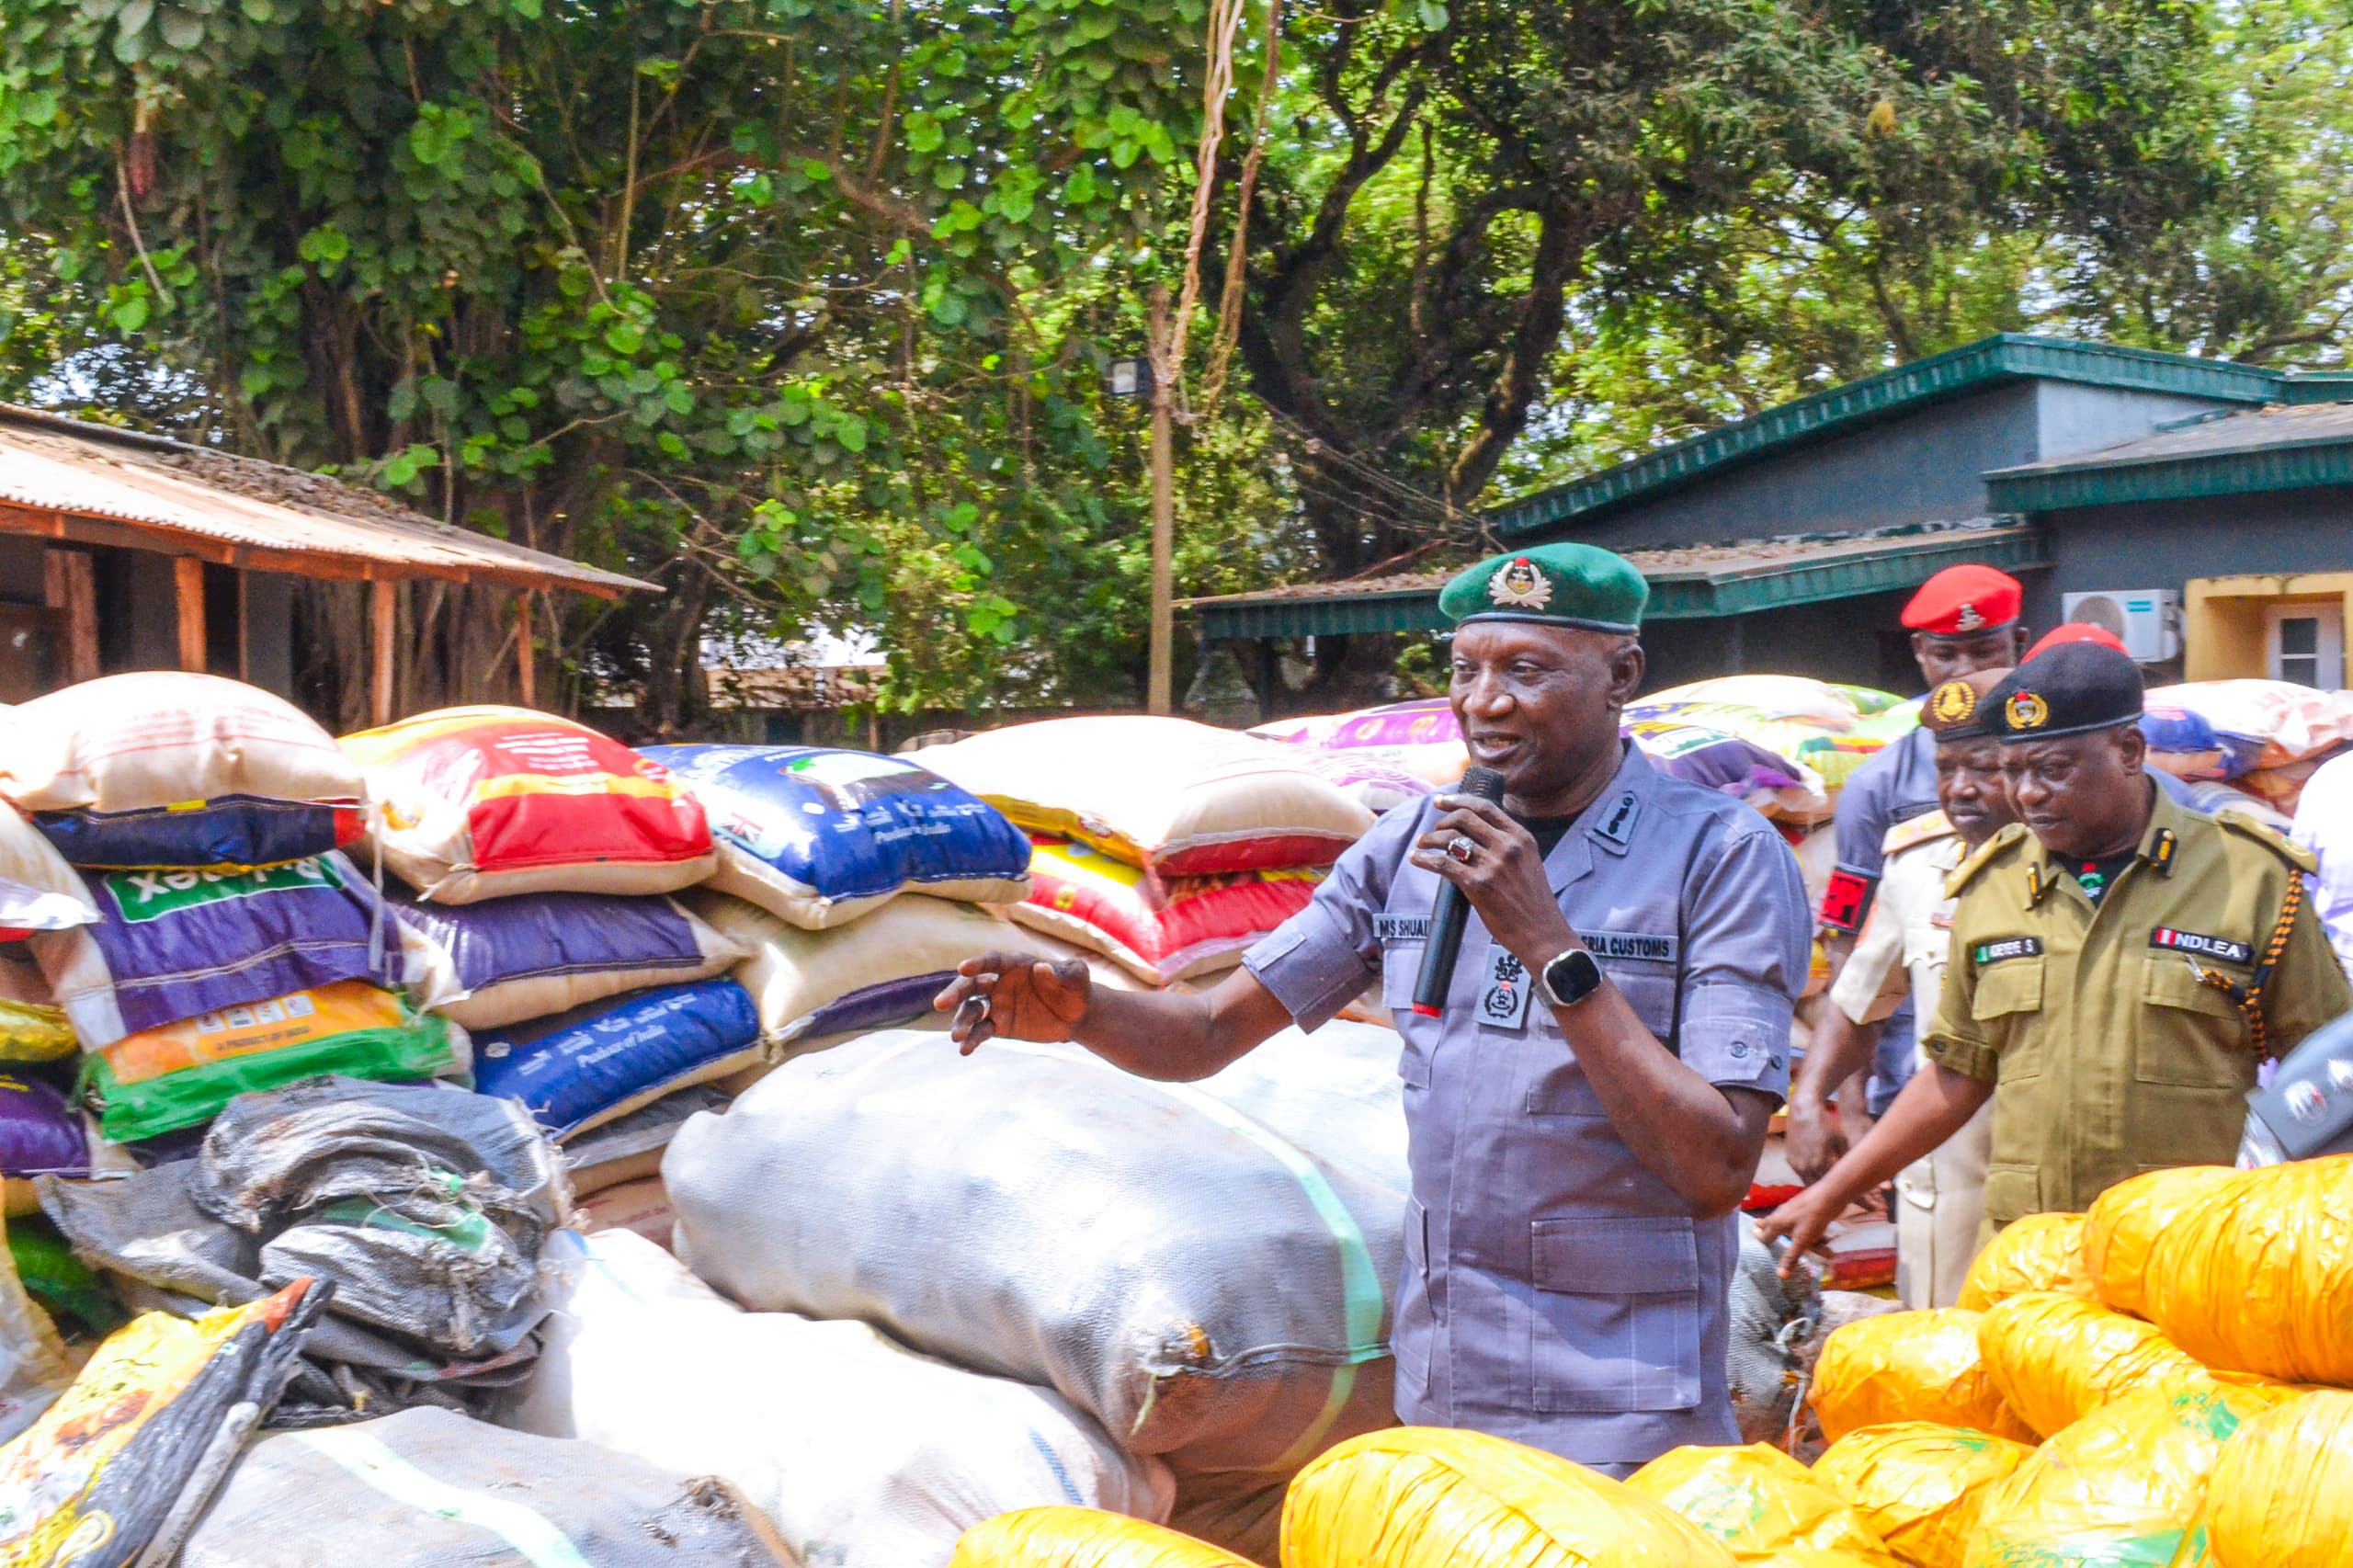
x=1556, y=1292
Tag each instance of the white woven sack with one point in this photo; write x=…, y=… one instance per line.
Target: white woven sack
x=864, y=1455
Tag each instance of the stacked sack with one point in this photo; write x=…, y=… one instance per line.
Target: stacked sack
x=620, y=929
x=1167, y=847
x=231, y=944
x=2139, y=1385
x=2246, y=742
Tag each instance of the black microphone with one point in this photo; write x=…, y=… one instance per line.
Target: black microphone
x=1448, y=912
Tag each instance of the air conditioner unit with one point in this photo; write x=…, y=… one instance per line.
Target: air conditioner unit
x=2148, y=619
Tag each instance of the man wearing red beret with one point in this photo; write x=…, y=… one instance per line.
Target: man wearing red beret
x=1963, y=619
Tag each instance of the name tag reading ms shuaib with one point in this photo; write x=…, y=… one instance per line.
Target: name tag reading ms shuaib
x=1503, y=993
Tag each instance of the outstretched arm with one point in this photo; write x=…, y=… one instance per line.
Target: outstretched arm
x=1934, y=1105
x=1175, y=1035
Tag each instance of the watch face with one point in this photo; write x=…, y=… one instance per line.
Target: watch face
x=1572, y=977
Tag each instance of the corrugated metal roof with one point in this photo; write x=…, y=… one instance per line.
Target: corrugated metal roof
x=192, y=501
x=2277, y=448
x=2006, y=357
x=1690, y=583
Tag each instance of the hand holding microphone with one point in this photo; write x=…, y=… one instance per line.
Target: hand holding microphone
x=1450, y=908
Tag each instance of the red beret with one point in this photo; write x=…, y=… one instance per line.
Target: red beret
x=1961, y=601
x=2077, y=631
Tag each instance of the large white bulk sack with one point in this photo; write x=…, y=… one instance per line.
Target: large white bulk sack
x=169, y=767
x=1167, y=794
x=863, y=1455
x=1335, y=1093
x=1198, y=1284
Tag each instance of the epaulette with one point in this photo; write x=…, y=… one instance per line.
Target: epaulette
x=1986, y=854
x=1916, y=830
x=2248, y=826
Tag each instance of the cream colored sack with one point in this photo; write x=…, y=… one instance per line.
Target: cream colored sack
x=885, y=969
x=159, y=738
x=1167, y=794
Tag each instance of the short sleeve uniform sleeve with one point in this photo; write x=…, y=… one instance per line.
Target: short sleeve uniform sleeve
x=1875, y=983
x=1748, y=937
x=1954, y=1039
x=1326, y=955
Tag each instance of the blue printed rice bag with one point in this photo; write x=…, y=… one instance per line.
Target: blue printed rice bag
x=819, y=837
x=506, y=959
x=587, y=1066
x=171, y=944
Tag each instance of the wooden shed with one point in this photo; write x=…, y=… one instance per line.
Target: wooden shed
x=121, y=551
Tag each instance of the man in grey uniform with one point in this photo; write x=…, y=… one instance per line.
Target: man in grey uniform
x=1586, y=1111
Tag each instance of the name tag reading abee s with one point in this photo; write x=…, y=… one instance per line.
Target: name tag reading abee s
x=2002, y=947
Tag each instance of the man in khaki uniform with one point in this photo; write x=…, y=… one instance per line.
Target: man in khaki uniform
x=2119, y=967
x=1900, y=953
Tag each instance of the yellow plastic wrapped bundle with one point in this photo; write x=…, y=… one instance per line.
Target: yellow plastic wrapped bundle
x=2040, y=1252
x=2258, y=1276
x=1431, y=1497
x=1920, y=1486
x=1763, y=1505
x=2121, y=1488
x=2057, y=1358
x=2123, y=1224
x=1082, y=1537
x=1910, y=1367
x=2282, y=1495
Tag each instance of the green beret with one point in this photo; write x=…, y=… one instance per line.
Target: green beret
x=1553, y=584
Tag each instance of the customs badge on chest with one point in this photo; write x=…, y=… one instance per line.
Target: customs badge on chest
x=1503, y=994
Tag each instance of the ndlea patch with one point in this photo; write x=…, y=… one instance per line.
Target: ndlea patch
x=2204, y=946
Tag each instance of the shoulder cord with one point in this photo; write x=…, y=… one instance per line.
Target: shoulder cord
x=2248, y=998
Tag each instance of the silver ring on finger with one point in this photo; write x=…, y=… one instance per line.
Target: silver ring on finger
x=1461, y=848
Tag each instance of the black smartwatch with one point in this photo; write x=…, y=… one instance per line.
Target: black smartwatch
x=1570, y=978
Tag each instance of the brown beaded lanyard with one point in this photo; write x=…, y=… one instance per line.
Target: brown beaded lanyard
x=2248, y=998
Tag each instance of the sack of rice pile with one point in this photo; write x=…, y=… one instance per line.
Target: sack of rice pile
x=579, y=1070
x=508, y=960
x=819, y=837
x=1158, y=928
x=469, y=803
x=1229, y=1311
x=169, y=767
x=1167, y=795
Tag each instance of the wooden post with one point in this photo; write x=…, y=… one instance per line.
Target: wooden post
x=383, y=615
x=244, y=626
x=1158, y=698
x=69, y=585
x=187, y=580
x=526, y=674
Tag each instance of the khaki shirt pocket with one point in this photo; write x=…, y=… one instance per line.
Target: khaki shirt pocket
x=2189, y=1033
x=2007, y=992
x=2012, y=1192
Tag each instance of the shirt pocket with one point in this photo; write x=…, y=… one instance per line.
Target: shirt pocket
x=1649, y=989
x=1613, y=1323
x=1560, y=1086
x=2191, y=1034
x=2007, y=992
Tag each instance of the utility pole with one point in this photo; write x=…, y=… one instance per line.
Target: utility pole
x=1164, y=508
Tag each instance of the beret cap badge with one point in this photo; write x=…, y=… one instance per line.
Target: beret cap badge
x=1954, y=702
x=2026, y=711
x=1519, y=584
